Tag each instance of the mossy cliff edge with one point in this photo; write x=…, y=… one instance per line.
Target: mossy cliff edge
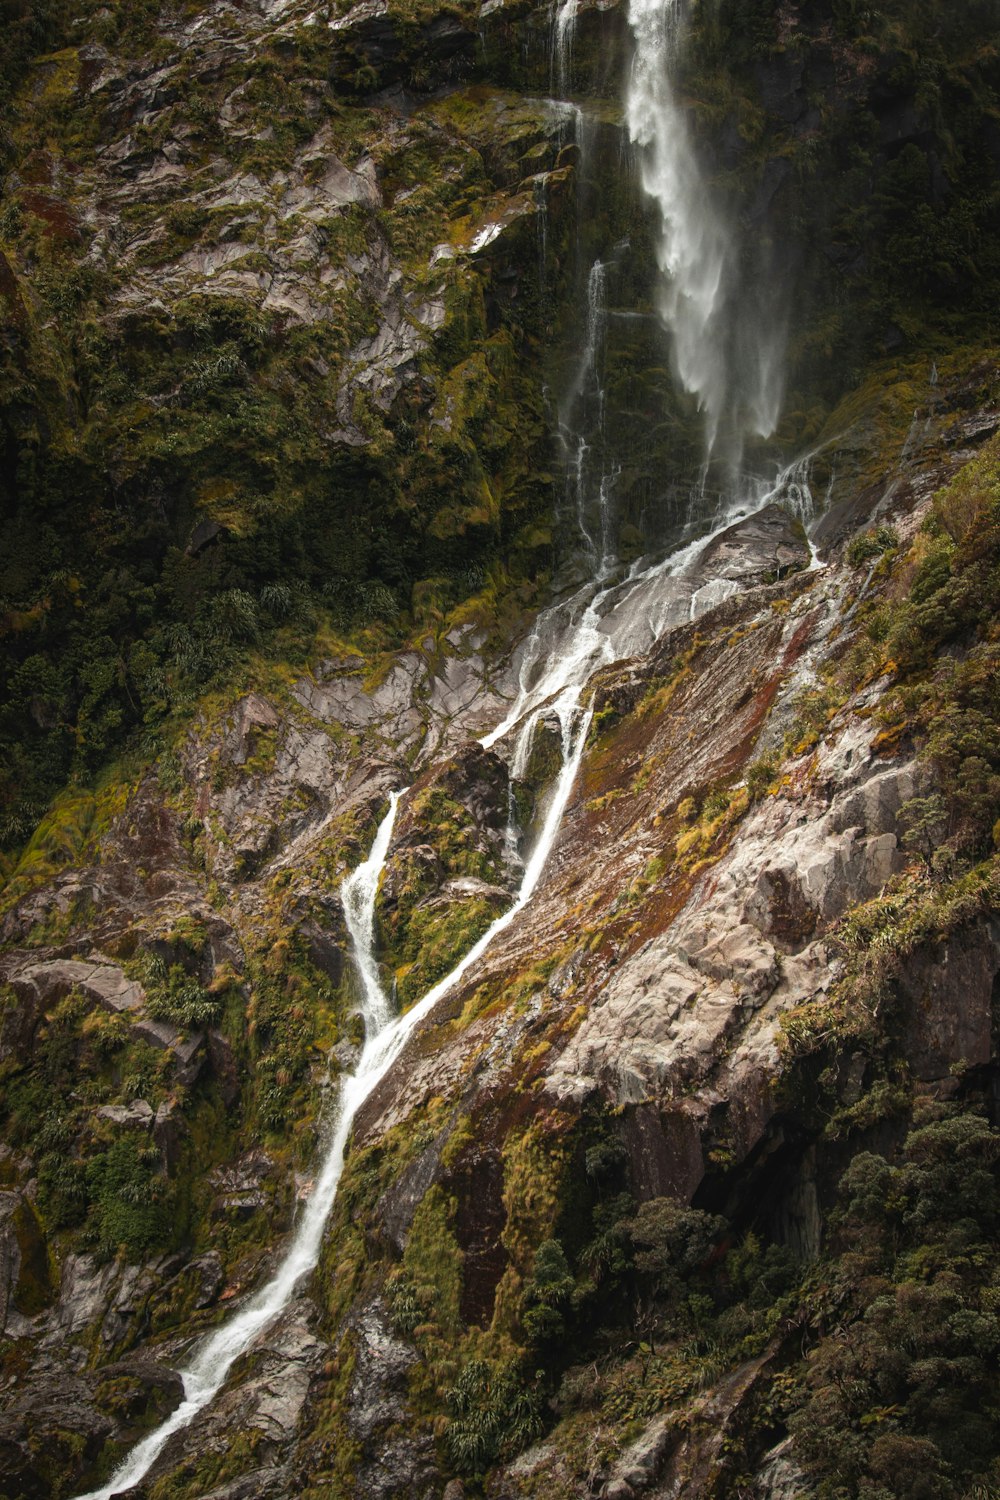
x=689, y=1188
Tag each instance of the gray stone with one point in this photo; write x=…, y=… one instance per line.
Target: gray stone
x=395, y=1209
x=100, y=981
x=159, y=1034
x=135, y=1286
x=138, y=1115
x=950, y=993
x=779, y=1476
x=379, y=1381
x=239, y=1186
x=84, y=1291
x=168, y=1132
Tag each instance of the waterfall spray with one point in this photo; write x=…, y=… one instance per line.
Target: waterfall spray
x=724, y=355
x=563, y=33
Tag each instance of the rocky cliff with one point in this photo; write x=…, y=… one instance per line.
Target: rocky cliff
x=687, y=1186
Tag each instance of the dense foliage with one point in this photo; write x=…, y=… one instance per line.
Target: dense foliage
x=27, y=28
x=901, y=1393
x=176, y=489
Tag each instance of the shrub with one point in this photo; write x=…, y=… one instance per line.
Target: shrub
x=547, y=1294
x=868, y=544
x=129, y=1202
x=173, y=995
x=902, y=1388
x=761, y=773
x=495, y=1414
x=671, y=1244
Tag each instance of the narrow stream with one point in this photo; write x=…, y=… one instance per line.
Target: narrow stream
x=385, y=1038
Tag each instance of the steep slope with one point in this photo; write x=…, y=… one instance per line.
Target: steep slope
x=675, y=1022
x=687, y=1185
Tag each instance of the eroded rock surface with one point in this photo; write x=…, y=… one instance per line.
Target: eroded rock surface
x=691, y=904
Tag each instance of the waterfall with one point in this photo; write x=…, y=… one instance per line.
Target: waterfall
x=562, y=44
x=581, y=430
x=733, y=370
x=384, y=1040
x=357, y=896
x=604, y=622
x=206, y=1373
x=541, y=191
x=727, y=347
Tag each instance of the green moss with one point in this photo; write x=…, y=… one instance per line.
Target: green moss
x=33, y=1289
x=438, y=935
x=206, y=1471
x=335, y=1452
x=69, y=834
x=432, y=1260
x=534, y=1163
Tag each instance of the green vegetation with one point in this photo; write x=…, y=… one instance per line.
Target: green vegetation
x=900, y=1395
x=199, y=494
x=130, y=1204
x=877, y=1354
x=427, y=928
x=173, y=995
x=27, y=29
x=871, y=544
x=177, y=494
x=863, y=126
x=493, y=1416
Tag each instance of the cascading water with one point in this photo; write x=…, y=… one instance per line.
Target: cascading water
x=563, y=32
x=207, y=1371
x=384, y=1040
x=608, y=619
x=357, y=896
x=581, y=429
x=601, y=624
x=541, y=190
x=725, y=354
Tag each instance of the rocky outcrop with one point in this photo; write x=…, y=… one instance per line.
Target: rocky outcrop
x=25, y=1280
x=377, y=1415
x=653, y=986
x=950, y=990
x=290, y=298
x=59, y=1426
x=38, y=986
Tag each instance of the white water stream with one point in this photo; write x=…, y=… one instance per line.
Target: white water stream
x=386, y=1036
x=728, y=357
x=609, y=619
x=563, y=31
x=581, y=431
x=600, y=624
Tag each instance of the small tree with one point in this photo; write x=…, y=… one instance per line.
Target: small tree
x=547, y=1294
x=671, y=1245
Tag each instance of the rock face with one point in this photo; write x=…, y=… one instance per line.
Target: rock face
x=653, y=990
x=291, y=295
x=37, y=985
